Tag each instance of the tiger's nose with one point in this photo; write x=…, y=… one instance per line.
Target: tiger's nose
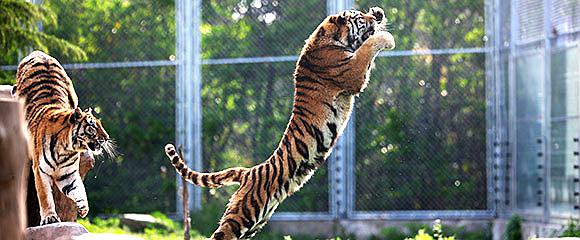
x=104, y=135
x=104, y=138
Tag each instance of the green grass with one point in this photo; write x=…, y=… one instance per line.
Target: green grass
x=167, y=229
x=171, y=230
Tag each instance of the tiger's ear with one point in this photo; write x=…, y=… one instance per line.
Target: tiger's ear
x=341, y=19
x=76, y=115
x=338, y=19
x=89, y=110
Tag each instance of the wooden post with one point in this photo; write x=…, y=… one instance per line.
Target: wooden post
x=185, y=201
x=13, y=162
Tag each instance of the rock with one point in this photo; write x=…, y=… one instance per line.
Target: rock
x=564, y=238
x=103, y=236
x=137, y=222
x=5, y=91
x=56, y=231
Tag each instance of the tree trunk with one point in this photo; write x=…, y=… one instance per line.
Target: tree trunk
x=13, y=161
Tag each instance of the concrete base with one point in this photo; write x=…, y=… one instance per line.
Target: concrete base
x=530, y=229
x=362, y=229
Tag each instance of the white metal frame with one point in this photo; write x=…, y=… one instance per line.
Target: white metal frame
x=543, y=46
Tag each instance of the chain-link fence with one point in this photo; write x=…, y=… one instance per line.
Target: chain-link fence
x=417, y=141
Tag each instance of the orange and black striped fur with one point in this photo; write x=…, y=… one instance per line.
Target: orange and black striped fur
x=332, y=69
x=59, y=131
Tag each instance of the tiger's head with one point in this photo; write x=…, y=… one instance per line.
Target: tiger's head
x=88, y=134
x=351, y=28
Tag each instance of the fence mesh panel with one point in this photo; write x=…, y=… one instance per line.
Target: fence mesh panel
x=137, y=108
x=420, y=145
x=420, y=125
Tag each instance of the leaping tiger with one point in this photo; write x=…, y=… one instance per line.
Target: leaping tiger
x=332, y=69
x=59, y=131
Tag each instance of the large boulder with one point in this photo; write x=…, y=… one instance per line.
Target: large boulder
x=5, y=91
x=138, y=222
x=60, y=231
x=105, y=236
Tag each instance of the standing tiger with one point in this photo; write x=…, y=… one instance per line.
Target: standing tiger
x=332, y=69
x=59, y=132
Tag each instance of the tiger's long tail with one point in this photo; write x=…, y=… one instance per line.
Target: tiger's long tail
x=228, y=176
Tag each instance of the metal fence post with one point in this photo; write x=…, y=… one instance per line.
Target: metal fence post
x=188, y=91
x=512, y=103
x=492, y=110
x=196, y=99
x=341, y=164
x=547, y=108
x=179, y=95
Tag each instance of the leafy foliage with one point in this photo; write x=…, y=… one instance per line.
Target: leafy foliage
x=437, y=233
x=19, y=23
x=514, y=229
x=421, y=230
x=572, y=229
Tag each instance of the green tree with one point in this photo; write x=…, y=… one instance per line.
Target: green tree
x=19, y=32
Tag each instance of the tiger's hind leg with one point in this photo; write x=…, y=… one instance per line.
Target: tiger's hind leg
x=231, y=224
x=42, y=182
x=71, y=184
x=245, y=214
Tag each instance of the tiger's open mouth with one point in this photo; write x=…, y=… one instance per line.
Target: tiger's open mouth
x=94, y=146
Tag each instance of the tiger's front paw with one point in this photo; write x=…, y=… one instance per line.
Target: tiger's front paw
x=83, y=208
x=51, y=218
x=383, y=40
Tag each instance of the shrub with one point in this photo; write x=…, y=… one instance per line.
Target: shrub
x=514, y=229
x=572, y=229
x=394, y=233
x=391, y=233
